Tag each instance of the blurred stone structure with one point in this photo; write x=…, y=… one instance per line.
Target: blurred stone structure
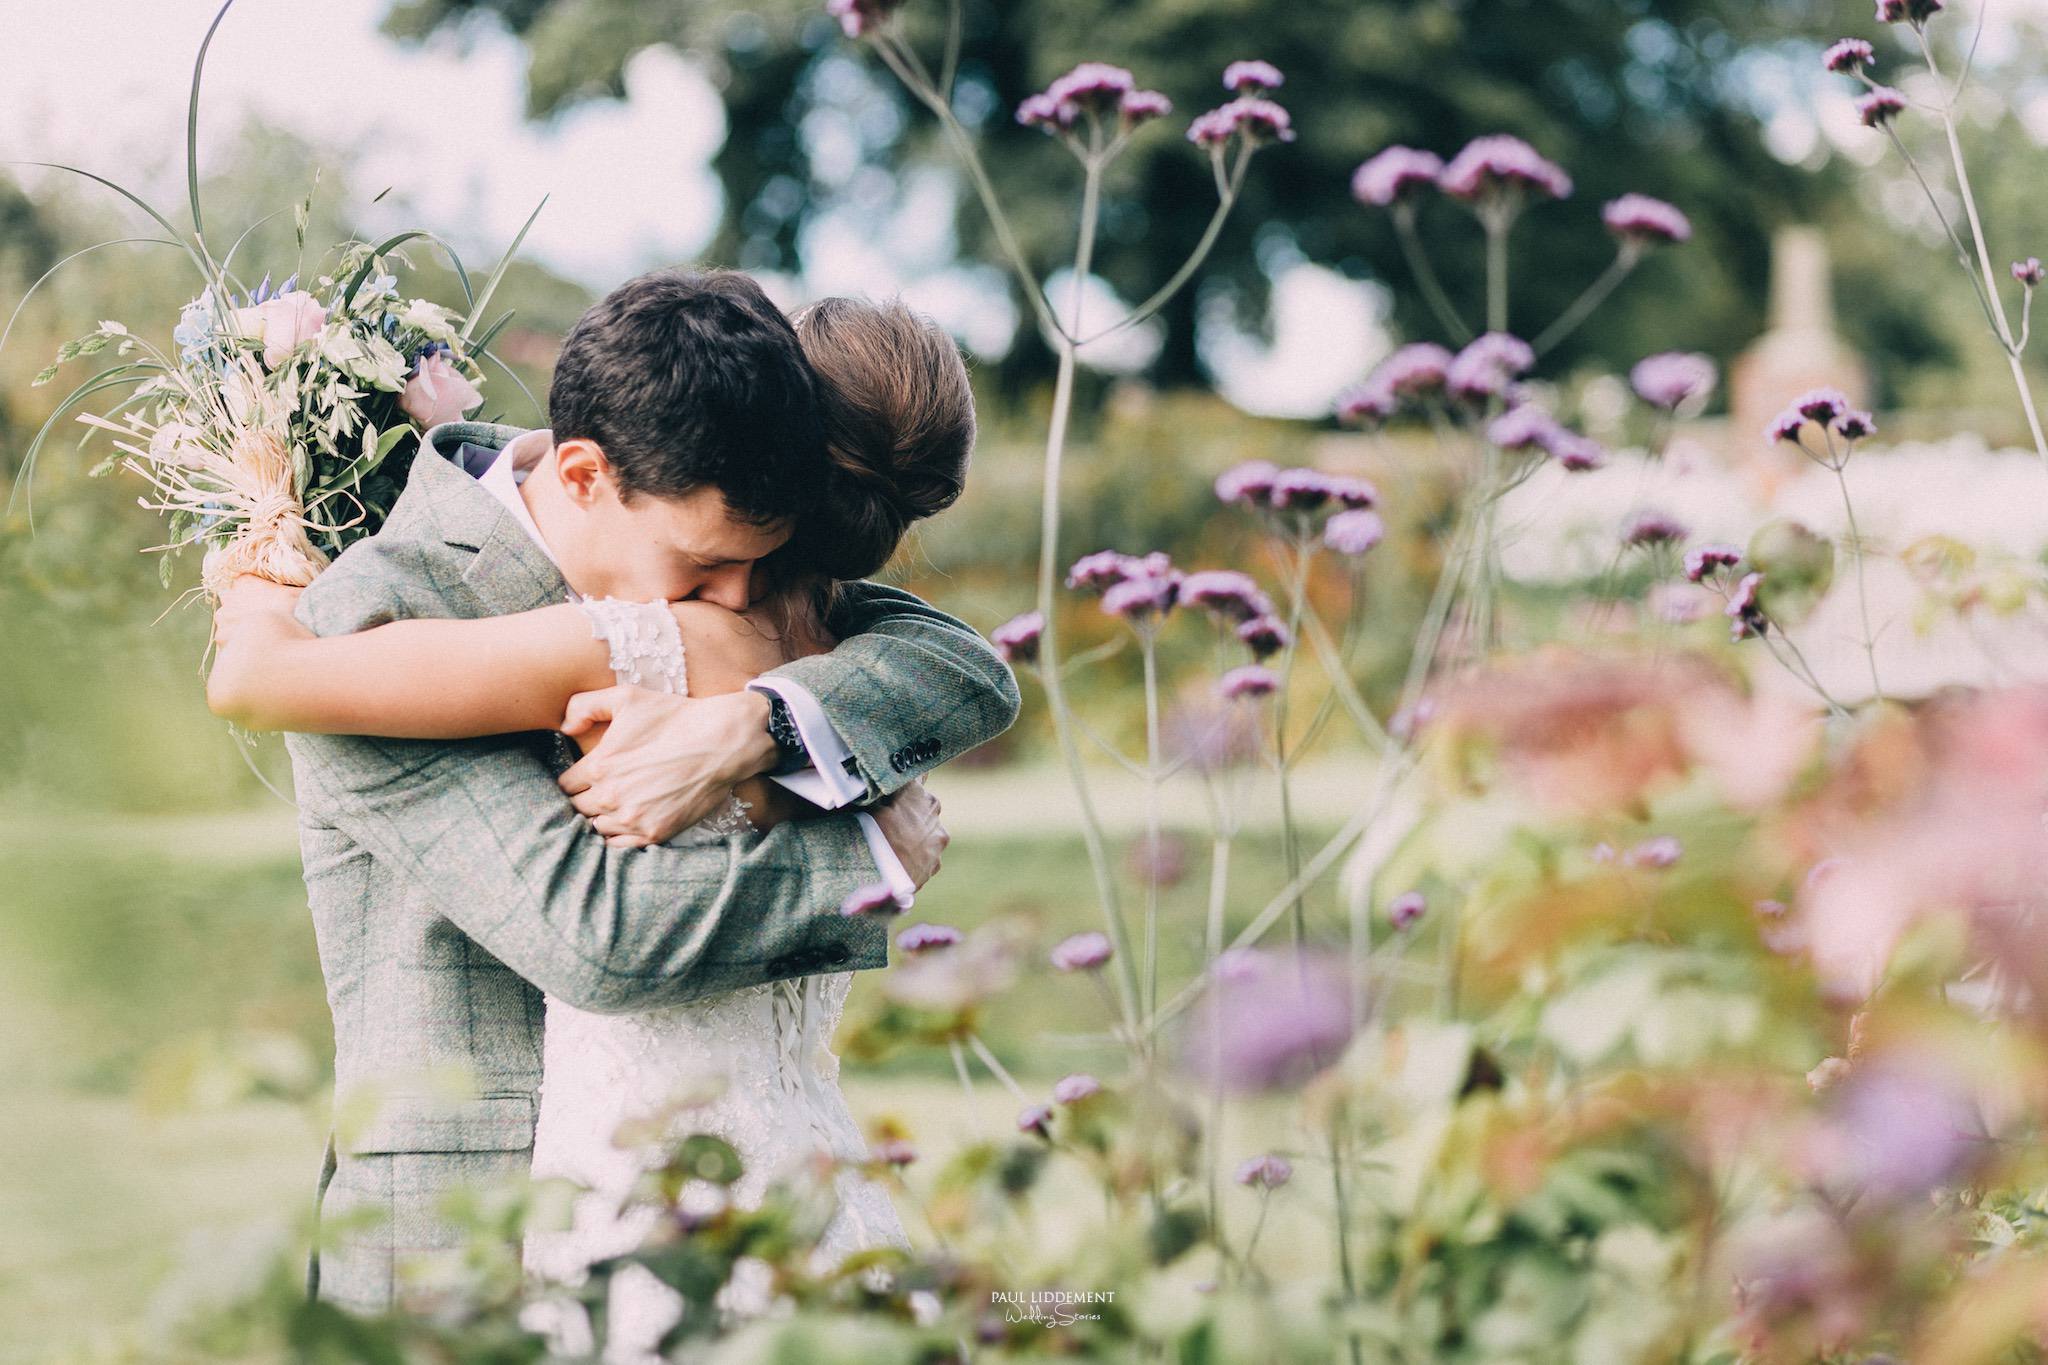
x=1800, y=351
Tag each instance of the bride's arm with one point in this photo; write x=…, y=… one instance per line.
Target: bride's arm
x=414, y=679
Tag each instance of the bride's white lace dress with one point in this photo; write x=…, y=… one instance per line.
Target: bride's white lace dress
x=764, y=1052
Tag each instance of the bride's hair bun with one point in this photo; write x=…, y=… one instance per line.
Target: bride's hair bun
x=899, y=430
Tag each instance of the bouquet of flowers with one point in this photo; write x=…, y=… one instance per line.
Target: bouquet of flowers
x=280, y=423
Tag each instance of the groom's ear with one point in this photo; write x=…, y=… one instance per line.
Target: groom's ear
x=583, y=470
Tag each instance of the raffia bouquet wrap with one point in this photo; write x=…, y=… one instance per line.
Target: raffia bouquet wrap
x=280, y=425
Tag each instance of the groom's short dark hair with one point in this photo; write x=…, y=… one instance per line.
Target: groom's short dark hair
x=689, y=378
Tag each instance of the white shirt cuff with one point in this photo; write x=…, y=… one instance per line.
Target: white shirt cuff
x=891, y=866
x=826, y=784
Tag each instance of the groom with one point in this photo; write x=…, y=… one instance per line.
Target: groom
x=452, y=883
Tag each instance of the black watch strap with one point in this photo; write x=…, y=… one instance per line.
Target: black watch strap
x=789, y=740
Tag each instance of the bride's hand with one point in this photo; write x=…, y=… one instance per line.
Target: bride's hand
x=666, y=762
x=254, y=614
x=256, y=607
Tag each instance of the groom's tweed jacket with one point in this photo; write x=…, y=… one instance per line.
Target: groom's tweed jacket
x=452, y=883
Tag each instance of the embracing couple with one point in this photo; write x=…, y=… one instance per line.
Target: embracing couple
x=671, y=575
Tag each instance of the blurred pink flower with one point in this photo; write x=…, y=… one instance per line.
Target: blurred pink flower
x=1653, y=528
x=1140, y=106
x=1640, y=221
x=1226, y=592
x=2029, y=272
x=860, y=17
x=1162, y=864
x=1355, y=532
x=1017, y=639
x=1672, y=379
x=1396, y=175
x=1075, y=1088
x=1268, y=1172
x=1907, y=11
x=1880, y=106
x=1037, y=1120
x=925, y=938
x=1407, y=909
x=284, y=322
x=1092, y=85
x=1270, y=1021
x=1250, y=482
x=1500, y=164
x=1248, y=682
x=1081, y=952
x=1240, y=77
x=1264, y=636
x=1848, y=56
x=876, y=898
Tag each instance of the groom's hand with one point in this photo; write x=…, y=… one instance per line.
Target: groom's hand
x=910, y=822
x=665, y=761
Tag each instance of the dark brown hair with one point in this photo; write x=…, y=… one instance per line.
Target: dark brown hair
x=899, y=431
x=689, y=378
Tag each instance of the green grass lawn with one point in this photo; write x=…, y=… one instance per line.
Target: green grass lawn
x=142, y=959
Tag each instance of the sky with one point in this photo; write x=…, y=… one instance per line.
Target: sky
x=103, y=86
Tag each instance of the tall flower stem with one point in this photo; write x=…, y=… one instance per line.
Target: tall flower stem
x=1856, y=556
x=1297, y=604
x=1150, y=652
x=1997, y=309
x=1425, y=274
x=1619, y=269
x=1496, y=273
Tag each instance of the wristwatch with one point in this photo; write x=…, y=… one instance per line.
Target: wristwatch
x=789, y=741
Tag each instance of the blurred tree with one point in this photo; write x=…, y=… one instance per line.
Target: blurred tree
x=1629, y=96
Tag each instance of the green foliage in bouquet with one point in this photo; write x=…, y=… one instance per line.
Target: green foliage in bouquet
x=279, y=424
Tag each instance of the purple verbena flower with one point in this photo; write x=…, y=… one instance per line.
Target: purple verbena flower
x=1705, y=561
x=858, y=18
x=1017, y=639
x=1880, y=106
x=1907, y=11
x=1642, y=221
x=1577, y=453
x=1143, y=598
x=1264, y=636
x=1406, y=909
x=1396, y=175
x=1660, y=852
x=1848, y=56
x=1212, y=129
x=1353, y=492
x=1036, y=1120
x=1488, y=366
x=1269, y=1021
x=1141, y=106
x=894, y=1152
x=1653, y=528
x=1821, y=405
x=1366, y=405
x=1257, y=120
x=1248, y=682
x=1106, y=568
x=1300, y=490
x=1267, y=1172
x=1043, y=111
x=1744, y=610
x=2029, y=272
x=1415, y=370
x=925, y=938
x=1854, y=425
x=1672, y=379
x=1524, y=427
x=1501, y=164
x=873, y=899
x=1093, y=85
x=1354, y=532
x=1240, y=77
x=1226, y=592
x=1082, y=952
x=1075, y=1088
x=1250, y=482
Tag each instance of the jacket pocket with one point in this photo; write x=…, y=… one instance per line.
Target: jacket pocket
x=487, y=1123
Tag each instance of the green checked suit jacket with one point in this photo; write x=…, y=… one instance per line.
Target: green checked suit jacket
x=451, y=883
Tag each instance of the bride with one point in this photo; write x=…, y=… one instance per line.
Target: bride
x=753, y=1067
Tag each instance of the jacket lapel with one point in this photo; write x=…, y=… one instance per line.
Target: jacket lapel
x=509, y=572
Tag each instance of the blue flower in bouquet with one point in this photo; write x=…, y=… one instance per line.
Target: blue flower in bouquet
x=194, y=332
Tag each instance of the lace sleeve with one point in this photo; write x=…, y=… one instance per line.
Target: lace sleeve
x=646, y=647
x=647, y=651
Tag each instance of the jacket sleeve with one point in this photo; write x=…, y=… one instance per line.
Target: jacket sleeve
x=908, y=687
x=482, y=828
